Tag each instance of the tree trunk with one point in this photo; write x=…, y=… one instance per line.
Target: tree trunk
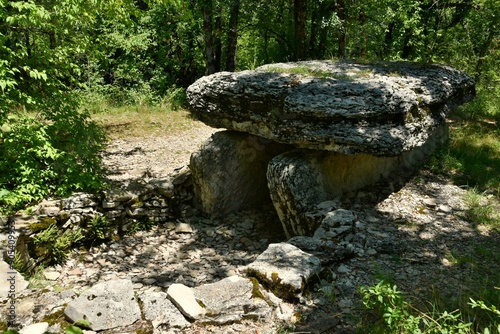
x=387, y=50
x=300, y=18
x=315, y=24
x=209, y=45
x=407, y=49
x=342, y=34
x=232, y=37
x=52, y=39
x=218, y=39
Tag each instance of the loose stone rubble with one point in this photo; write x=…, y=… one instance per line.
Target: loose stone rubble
x=376, y=235
x=110, y=215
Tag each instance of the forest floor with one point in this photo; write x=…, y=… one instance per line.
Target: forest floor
x=417, y=234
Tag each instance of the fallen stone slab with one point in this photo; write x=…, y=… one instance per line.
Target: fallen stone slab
x=184, y=299
x=284, y=269
x=381, y=109
x=157, y=308
x=232, y=300
x=106, y=305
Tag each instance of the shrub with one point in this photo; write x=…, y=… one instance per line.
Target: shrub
x=393, y=314
x=50, y=153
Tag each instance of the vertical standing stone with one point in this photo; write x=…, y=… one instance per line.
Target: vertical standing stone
x=229, y=172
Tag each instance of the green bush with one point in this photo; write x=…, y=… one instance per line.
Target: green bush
x=50, y=153
x=393, y=314
x=53, y=247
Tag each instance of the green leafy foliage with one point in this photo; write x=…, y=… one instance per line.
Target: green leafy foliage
x=52, y=246
x=47, y=146
x=393, y=314
x=98, y=229
x=51, y=155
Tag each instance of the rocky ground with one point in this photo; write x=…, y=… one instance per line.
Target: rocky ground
x=411, y=233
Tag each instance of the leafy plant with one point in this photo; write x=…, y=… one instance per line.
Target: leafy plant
x=98, y=228
x=396, y=315
x=496, y=312
x=393, y=314
x=52, y=246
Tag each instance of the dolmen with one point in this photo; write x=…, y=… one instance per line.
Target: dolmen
x=303, y=134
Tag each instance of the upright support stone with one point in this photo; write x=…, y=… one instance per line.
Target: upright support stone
x=229, y=172
x=299, y=180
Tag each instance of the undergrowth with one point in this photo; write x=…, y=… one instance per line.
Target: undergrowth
x=392, y=313
x=50, y=153
x=471, y=160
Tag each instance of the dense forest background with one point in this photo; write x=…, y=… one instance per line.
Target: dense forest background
x=56, y=53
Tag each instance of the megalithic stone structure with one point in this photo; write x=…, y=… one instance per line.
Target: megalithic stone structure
x=317, y=129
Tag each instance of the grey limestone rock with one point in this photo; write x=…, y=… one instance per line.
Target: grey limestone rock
x=106, y=305
x=380, y=109
x=183, y=297
x=229, y=172
x=285, y=269
x=328, y=251
x=299, y=180
x=231, y=299
x=335, y=225
x=161, y=311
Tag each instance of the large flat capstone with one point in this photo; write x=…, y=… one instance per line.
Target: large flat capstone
x=382, y=109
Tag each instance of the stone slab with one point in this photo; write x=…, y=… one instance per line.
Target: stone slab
x=106, y=305
x=183, y=297
x=380, y=109
x=285, y=269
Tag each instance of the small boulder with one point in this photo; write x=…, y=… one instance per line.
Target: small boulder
x=335, y=225
x=157, y=308
x=106, y=305
x=285, y=269
x=183, y=297
x=38, y=328
x=232, y=299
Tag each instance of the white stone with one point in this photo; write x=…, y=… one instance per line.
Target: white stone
x=183, y=297
x=183, y=228
x=38, y=328
x=10, y=280
x=51, y=275
x=445, y=208
x=430, y=202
